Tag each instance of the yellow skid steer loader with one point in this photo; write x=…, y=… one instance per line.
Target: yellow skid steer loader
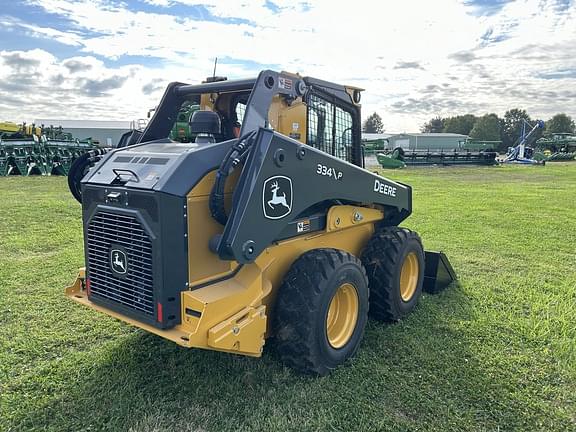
x=265, y=225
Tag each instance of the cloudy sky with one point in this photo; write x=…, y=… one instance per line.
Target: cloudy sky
x=111, y=59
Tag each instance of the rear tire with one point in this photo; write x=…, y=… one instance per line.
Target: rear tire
x=394, y=262
x=321, y=311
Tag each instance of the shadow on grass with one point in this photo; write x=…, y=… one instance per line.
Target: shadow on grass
x=420, y=372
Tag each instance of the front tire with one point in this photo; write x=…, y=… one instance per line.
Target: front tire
x=321, y=311
x=394, y=262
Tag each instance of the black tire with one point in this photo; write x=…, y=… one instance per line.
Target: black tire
x=383, y=258
x=301, y=312
x=76, y=173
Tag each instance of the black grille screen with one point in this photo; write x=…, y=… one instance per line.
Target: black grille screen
x=109, y=231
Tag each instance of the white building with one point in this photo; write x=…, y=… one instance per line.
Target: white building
x=106, y=133
x=375, y=136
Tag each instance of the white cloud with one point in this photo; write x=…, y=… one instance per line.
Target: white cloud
x=66, y=38
x=416, y=59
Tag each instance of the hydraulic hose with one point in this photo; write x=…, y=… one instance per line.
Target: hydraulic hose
x=235, y=156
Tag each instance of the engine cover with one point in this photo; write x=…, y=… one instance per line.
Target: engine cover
x=135, y=230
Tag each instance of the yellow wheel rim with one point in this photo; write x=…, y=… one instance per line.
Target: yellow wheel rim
x=409, y=276
x=342, y=315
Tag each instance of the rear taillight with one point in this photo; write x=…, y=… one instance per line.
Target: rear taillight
x=159, y=312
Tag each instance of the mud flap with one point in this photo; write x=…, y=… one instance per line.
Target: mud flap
x=438, y=272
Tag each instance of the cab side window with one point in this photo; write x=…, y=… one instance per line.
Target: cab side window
x=240, y=110
x=330, y=128
x=343, y=134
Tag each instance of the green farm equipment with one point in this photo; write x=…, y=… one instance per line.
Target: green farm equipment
x=469, y=152
x=31, y=150
x=58, y=146
x=371, y=146
x=400, y=158
x=561, y=147
x=35, y=159
x=20, y=149
x=181, y=130
x=481, y=145
x=3, y=161
x=19, y=160
x=561, y=157
x=59, y=159
x=392, y=161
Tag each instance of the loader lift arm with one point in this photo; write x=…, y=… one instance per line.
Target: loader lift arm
x=278, y=162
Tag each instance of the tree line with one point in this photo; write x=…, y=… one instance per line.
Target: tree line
x=488, y=127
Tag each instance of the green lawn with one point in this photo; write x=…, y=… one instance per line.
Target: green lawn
x=495, y=353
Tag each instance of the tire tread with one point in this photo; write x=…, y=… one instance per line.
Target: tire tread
x=300, y=296
x=380, y=259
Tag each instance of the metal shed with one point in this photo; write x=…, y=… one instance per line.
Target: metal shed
x=427, y=141
x=106, y=133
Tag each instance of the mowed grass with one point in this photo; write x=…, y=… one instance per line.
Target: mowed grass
x=494, y=353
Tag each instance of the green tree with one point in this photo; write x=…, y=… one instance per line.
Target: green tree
x=435, y=125
x=461, y=124
x=373, y=124
x=512, y=126
x=486, y=128
x=560, y=123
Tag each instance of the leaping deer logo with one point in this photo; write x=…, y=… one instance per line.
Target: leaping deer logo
x=276, y=198
x=118, y=261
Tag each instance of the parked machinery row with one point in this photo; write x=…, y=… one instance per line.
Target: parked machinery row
x=470, y=152
x=32, y=150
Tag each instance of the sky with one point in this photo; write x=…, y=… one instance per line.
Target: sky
x=112, y=59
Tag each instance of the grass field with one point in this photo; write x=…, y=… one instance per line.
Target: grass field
x=495, y=353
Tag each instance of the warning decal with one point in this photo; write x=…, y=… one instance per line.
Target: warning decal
x=285, y=83
x=303, y=226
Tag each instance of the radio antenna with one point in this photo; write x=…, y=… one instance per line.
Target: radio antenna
x=215, y=63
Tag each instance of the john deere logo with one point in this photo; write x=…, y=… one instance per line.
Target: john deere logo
x=277, y=197
x=118, y=261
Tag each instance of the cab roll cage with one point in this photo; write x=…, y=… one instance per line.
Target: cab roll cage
x=262, y=90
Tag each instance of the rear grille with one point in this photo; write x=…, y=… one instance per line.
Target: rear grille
x=107, y=231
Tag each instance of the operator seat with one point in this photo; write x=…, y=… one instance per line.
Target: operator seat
x=206, y=126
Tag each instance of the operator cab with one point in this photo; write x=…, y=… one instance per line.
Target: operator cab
x=318, y=113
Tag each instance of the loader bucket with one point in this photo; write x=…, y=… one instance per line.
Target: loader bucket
x=438, y=272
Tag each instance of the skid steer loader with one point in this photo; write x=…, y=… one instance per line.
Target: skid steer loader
x=265, y=225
